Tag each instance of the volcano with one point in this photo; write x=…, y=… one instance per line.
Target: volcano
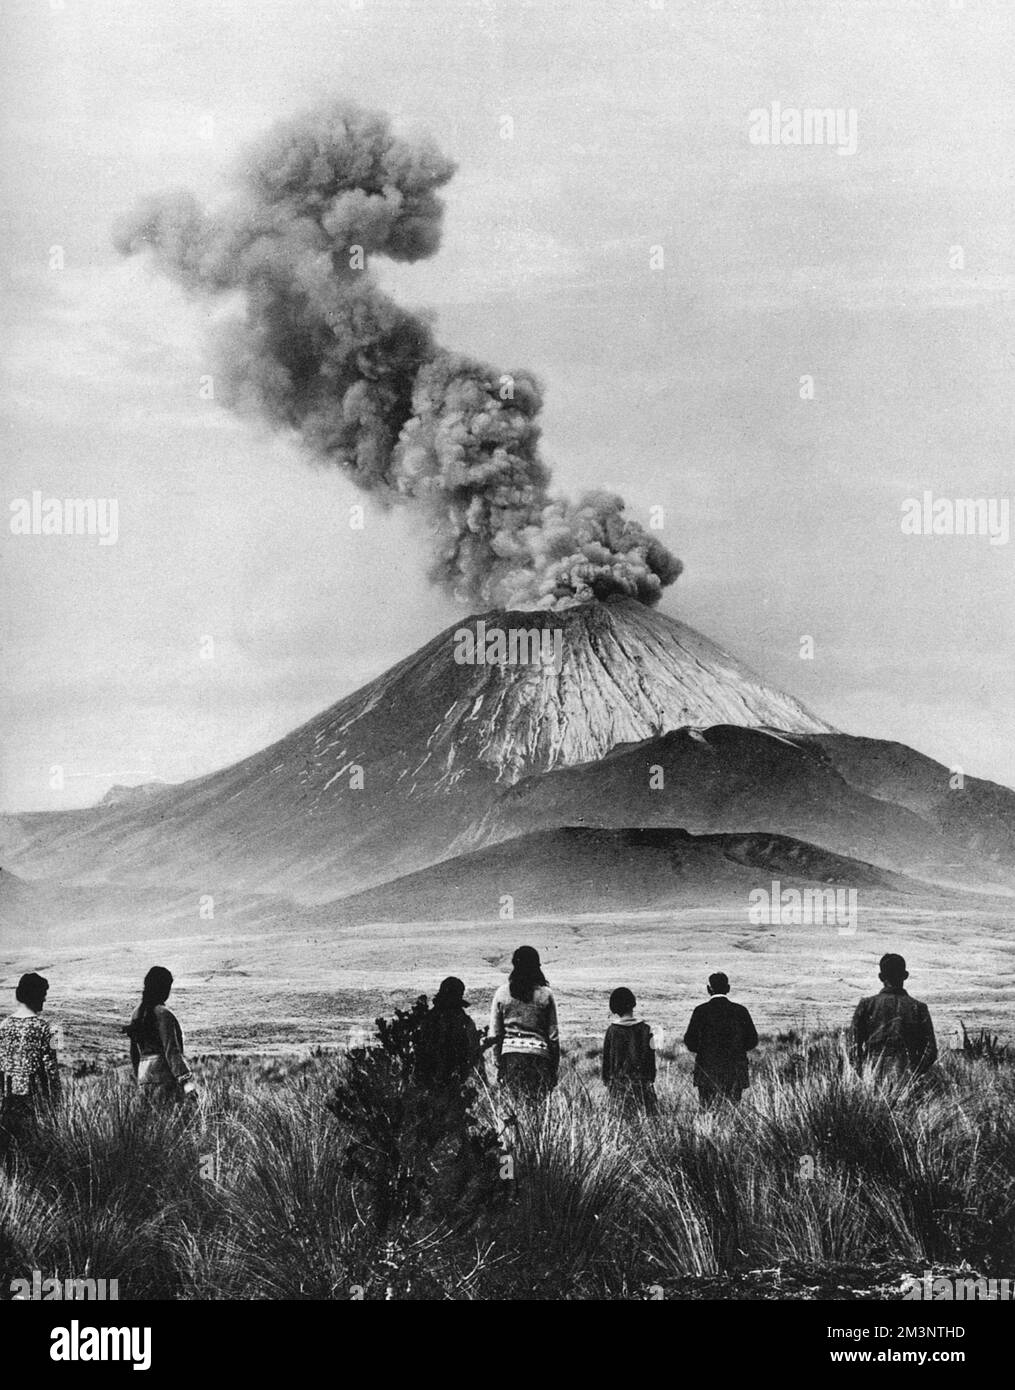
x=643, y=723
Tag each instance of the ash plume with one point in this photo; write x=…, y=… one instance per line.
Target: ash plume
x=319, y=349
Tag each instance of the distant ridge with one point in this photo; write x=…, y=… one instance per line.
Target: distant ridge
x=119, y=795
x=573, y=870
x=643, y=723
x=436, y=741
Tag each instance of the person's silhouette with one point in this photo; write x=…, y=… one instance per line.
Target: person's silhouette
x=29, y=1071
x=720, y=1034
x=891, y=1030
x=448, y=1047
x=156, y=1042
x=523, y=1029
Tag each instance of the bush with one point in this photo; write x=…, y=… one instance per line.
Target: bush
x=418, y=1153
x=334, y=1177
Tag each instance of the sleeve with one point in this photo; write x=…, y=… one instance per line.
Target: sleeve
x=552, y=1032
x=929, y=1042
x=169, y=1036
x=750, y=1033
x=607, y=1055
x=50, y=1065
x=650, y=1059
x=473, y=1045
x=496, y=1021
x=692, y=1038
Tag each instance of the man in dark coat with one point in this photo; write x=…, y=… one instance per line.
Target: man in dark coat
x=892, y=1030
x=720, y=1035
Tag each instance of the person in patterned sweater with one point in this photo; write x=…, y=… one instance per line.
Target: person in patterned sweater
x=28, y=1061
x=523, y=1029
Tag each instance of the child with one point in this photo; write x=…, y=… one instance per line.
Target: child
x=629, y=1059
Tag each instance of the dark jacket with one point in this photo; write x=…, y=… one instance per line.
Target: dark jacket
x=894, y=1029
x=448, y=1048
x=628, y=1055
x=720, y=1035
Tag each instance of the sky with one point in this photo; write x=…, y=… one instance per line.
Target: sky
x=777, y=344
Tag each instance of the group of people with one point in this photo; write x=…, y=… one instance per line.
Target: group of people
x=29, y=1067
x=525, y=1038
x=890, y=1029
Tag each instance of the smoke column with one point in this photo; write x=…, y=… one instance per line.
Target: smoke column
x=322, y=351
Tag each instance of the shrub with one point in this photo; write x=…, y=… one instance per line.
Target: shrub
x=334, y=1177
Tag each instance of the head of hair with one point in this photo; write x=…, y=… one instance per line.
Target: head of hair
x=622, y=1001
x=718, y=983
x=892, y=969
x=451, y=994
x=157, y=984
x=526, y=974
x=32, y=990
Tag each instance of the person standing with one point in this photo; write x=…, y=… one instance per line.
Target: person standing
x=448, y=1048
x=629, y=1059
x=29, y=1071
x=523, y=1029
x=720, y=1034
x=156, y=1041
x=892, y=1030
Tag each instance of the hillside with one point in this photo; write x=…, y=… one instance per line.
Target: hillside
x=573, y=870
x=386, y=780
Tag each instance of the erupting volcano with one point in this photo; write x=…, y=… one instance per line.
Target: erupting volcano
x=641, y=741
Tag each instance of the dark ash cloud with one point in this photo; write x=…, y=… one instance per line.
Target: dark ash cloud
x=319, y=349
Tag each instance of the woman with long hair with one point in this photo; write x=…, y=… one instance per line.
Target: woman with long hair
x=523, y=1028
x=156, y=1041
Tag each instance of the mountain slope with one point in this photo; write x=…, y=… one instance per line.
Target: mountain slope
x=643, y=723
x=574, y=870
x=43, y=913
x=386, y=780
x=860, y=798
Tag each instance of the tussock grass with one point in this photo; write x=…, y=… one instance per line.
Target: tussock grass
x=250, y=1194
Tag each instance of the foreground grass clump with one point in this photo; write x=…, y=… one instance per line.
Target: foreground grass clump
x=327, y=1178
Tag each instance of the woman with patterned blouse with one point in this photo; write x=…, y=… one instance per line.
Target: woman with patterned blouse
x=523, y=1029
x=28, y=1064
